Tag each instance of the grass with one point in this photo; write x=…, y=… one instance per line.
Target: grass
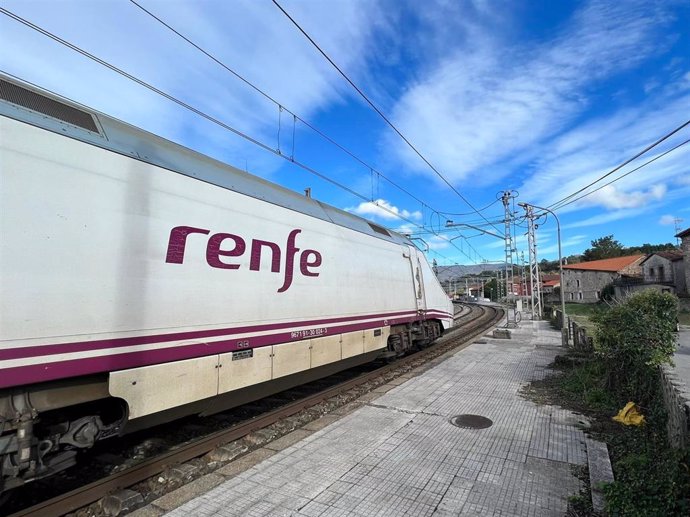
x=652, y=480
x=584, y=309
x=581, y=313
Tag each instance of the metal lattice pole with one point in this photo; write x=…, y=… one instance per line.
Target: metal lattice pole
x=507, y=196
x=523, y=277
x=534, y=280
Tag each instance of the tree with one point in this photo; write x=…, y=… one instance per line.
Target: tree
x=647, y=248
x=603, y=248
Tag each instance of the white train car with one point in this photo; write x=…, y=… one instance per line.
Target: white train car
x=142, y=281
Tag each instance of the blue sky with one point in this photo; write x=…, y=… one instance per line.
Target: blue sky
x=537, y=97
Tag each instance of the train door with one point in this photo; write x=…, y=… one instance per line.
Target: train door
x=412, y=254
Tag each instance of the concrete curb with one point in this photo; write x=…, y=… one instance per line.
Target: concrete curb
x=600, y=472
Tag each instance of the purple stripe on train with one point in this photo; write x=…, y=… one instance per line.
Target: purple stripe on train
x=81, y=346
x=64, y=348
x=63, y=369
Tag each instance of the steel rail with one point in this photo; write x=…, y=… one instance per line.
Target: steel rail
x=92, y=492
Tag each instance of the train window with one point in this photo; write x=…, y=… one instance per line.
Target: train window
x=35, y=101
x=379, y=229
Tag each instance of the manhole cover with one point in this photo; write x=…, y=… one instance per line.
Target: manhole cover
x=471, y=421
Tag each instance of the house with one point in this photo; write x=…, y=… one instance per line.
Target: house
x=665, y=271
x=584, y=282
x=684, y=237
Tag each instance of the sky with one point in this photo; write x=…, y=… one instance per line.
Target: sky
x=538, y=98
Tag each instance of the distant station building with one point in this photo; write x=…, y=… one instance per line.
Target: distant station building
x=584, y=282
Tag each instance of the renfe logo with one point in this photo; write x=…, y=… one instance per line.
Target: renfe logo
x=308, y=259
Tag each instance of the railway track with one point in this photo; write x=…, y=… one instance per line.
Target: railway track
x=471, y=321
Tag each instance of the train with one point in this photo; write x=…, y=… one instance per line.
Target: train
x=141, y=281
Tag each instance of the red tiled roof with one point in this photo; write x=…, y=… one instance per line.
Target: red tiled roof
x=612, y=264
x=552, y=283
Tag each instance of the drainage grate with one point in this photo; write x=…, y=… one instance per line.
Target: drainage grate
x=471, y=421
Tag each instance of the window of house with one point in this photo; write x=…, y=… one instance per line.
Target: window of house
x=577, y=283
x=661, y=272
x=571, y=296
x=651, y=271
x=598, y=294
x=579, y=295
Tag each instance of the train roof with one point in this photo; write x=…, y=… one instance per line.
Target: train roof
x=38, y=107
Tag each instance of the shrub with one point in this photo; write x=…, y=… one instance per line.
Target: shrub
x=633, y=339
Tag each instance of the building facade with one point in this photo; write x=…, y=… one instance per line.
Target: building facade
x=585, y=282
x=684, y=237
x=665, y=271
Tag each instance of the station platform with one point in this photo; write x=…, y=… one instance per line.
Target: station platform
x=399, y=454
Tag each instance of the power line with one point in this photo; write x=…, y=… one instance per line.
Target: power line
x=470, y=213
x=212, y=119
x=624, y=175
x=296, y=117
x=377, y=110
x=626, y=162
x=281, y=107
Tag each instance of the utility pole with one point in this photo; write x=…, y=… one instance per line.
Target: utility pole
x=507, y=196
x=523, y=277
x=534, y=279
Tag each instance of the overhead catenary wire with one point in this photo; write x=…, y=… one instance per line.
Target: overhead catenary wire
x=472, y=213
x=555, y=206
x=379, y=112
x=668, y=151
x=280, y=106
x=212, y=119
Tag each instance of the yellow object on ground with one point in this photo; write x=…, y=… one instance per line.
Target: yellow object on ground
x=629, y=415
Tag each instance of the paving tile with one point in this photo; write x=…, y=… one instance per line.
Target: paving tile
x=398, y=453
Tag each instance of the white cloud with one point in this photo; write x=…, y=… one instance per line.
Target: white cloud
x=492, y=98
x=569, y=243
x=612, y=198
x=608, y=217
x=253, y=38
x=589, y=151
x=384, y=210
x=667, y=220
x=438, y=242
